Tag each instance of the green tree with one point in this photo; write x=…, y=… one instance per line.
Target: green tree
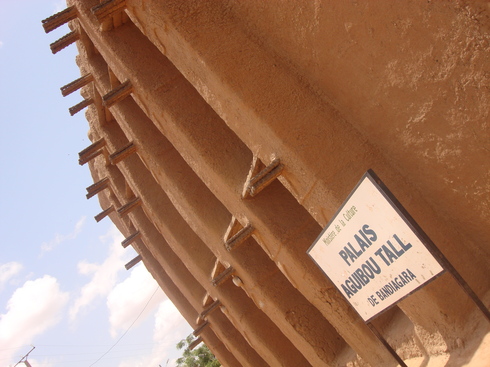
x=198, y=357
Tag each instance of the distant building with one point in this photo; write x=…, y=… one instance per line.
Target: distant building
x=227, y=134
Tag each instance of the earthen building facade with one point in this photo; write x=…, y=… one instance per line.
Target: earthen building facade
x=226, y=134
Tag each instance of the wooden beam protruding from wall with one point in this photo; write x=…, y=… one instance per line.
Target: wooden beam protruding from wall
x=236, y=234
x=210, y=306
x=60, y=18
x=64, y=41
x=104, y=213
x=96, y=145
x=256, y=182
x=201, y=328
x=117, y=94
x=210, y=309
x=88, y=158
x=222, y=277
x=122, y=153
x=130, y=239
x=80, y=106
x=91, y=151
x=108, y=8
x=76, y=84
x=133, y=262
x=128, y=207
x=97, y=187
x=195, y=343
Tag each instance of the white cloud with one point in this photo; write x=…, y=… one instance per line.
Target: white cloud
x=9, y=270
x=32, y=309
x=1, y=44
x=170, y=328
x=59, y=6
x=104, y=276
x=44, y=362
x=59, y=238
x=129, y=298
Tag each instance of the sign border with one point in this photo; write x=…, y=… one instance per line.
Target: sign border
x=406, y=217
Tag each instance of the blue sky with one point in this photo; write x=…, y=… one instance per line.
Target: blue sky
x=63, y=286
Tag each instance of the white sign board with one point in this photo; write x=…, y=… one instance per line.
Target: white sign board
x=371, y=252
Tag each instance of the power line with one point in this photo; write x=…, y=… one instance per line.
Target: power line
x=24, y=359
x=81, y=345
x=131, y=351
x=122, y=336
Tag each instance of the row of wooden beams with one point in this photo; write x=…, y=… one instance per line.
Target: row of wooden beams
x=102, y=11
x=254, y=185
x=114, y=96
x=122, y=211
x=109, y=99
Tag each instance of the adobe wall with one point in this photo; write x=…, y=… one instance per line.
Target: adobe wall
x=210, y=93
x=412, y=77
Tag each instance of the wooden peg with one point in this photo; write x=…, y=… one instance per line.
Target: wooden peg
x=122, y=153
x=76, y=84
x=130, y=239
x=263, y=179
x=64, y=41
x=127, y=208
x=195, y=343
x=239, y=237
x=58, y=19
x=210, y=309
x=91, y=152
x=201, y=328
x=80, y=106
x=133, y=262
x=108, y=8
x=88, y=158
x=104, y=213
x=221, y=278
x=99, y=144
x=117, y=94
x=97, y=187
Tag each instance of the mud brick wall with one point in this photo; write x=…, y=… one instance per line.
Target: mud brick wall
x=228, y=133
